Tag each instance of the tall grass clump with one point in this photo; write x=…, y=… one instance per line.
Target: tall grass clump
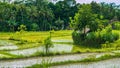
x=45, y=63
x=48, y=43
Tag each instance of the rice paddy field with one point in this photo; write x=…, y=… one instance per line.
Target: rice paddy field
x=16, y=45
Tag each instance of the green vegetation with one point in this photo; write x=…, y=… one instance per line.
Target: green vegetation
x=33, y=39
x=90, y=59
x=44, y=64
x=48, y=43
x=56, y=35
x=37, y=36
x=7, y=56
x=88, y=31
x=28, y=40
x=42, y=15
x=116, y=25
x=28, y=24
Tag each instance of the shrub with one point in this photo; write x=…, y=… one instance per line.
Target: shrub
x=22, y=28
x=91, y=36
x=95, y=39
x=115, y=35
x=116, y=25
x=34, y=27
x=77, y=37
x=108, y=35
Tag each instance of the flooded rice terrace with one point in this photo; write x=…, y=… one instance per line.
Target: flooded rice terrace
x=67, y=48
x=112, y=63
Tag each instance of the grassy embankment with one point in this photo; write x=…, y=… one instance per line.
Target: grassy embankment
x=48, y=64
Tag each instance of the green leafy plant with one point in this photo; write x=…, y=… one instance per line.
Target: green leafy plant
x=22, y=28
x=48, y=43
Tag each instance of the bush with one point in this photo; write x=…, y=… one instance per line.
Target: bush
x=34, y=27
x=22, y=28
x=116, y=25
x=90, y=36
x=95, y=39
x=115, y=35
x=77, y=37
x=108, y=35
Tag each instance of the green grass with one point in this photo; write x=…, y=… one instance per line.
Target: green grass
x=38, y=36
x=105, y=47
x=91, y=59
x=7, y=55
x=26, y=45
x=33, y=39
x=21, y=44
